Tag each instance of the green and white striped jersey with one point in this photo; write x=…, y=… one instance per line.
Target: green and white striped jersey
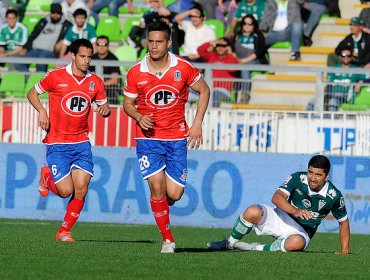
x=12, y=38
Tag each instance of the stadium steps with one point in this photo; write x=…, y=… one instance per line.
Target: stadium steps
x=349, y=8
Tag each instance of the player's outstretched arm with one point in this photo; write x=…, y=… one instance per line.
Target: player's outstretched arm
x=43, y=119
x=144, y=121
x=104, y=110
x=344, y=236
x=194, y=134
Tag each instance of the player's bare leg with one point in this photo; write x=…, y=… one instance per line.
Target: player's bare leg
x=161, y=210
x=174, y=191
x=76, y=184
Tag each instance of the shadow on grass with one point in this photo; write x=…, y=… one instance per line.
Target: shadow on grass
x=117, y=241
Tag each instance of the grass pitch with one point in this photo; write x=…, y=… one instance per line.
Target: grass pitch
x=115, y=251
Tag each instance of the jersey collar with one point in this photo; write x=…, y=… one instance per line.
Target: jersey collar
x=144, y=65
x=69, y=71
x=322, y=192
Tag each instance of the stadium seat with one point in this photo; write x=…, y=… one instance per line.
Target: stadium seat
x=126, y=53
x=12, y=84
x=168, y=2
x=110, y=27
x=361, y=102
x=282, y=45
x=128, y=24
x=33, y=79
x=30, y=21
x=38, y=5
x=217, y=26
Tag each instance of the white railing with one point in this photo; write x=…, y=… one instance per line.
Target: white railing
x=225, y=130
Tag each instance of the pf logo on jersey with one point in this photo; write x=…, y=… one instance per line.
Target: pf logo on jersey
x=76, y=103
x=162, y=97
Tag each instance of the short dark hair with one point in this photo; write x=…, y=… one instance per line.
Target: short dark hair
x=80, y=12
x=103, y=37
x=77, y=44
x=320, y=161
x=160, y=25
x=199, y=8
x=11, y=11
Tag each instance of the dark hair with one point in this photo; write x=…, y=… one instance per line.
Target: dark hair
x=160, y=25
x=254, y=21
x=103, y=37
x=320, y=161
x=11, y=11
x=199, y=8
x=80, y=12
x=346, y=48
x=77, y=44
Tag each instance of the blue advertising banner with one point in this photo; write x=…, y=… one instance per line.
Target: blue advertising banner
x=220, y=186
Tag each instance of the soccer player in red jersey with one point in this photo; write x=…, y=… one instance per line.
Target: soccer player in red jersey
x=160, y=85
x=71, y=90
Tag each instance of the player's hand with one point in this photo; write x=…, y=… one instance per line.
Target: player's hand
x=104, y=111
x=194, y=136
x=43, y=120
x=145, y=122
x=303, y=214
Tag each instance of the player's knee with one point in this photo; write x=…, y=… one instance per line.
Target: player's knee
x=253, y=214
x=64, y=193
x=80, y=191
x=295, y=243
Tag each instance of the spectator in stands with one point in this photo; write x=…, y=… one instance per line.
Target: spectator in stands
x=209, y=7
x=112, y=74
x=365, y=17
x=358, y=41
x=225, y=11
x=315, y=8
x=46, y=38
x=13, y=35
x=246, y=7
x=333, y=8
x=220, y=51
x=81, y=29
x=70, y=6
x=196, y=32
x=340, y=88
x=250, y=48
x=112, y=5
x=282, y=22
x=137, y=35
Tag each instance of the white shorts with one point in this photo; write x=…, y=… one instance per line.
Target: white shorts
x=280, y=225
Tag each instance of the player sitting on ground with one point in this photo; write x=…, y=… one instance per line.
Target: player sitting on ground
x=302, y=201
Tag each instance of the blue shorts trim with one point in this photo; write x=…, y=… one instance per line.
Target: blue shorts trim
x=157, y=155
x=62, y=158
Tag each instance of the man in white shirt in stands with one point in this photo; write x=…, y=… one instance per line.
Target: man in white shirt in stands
x=196, y=32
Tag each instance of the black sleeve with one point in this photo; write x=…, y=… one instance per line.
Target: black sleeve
x=63, y=32
x=260, y=45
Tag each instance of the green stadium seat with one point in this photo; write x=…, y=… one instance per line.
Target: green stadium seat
x=361, y=102
x=126, y=53
x=110, y=27
x=217, y=26
x=282, y=45
x=12, y=84
x=38, y=5
x=128, y=24
x=33, y=79
x=30, y=21
x=168, y=2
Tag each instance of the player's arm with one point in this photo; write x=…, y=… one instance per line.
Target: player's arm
x=43, y=119
x=280, y=200
x=144, y=121
x=195, y=132
x=344, y=236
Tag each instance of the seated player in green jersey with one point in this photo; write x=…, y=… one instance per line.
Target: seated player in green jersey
x=302, y=202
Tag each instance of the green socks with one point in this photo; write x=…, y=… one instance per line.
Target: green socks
x=241, y=228
x=277, y=245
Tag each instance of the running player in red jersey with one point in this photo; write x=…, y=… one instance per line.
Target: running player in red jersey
x=160, y=85
x=71, y=89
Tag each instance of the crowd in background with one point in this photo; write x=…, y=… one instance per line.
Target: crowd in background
x=249, y=27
